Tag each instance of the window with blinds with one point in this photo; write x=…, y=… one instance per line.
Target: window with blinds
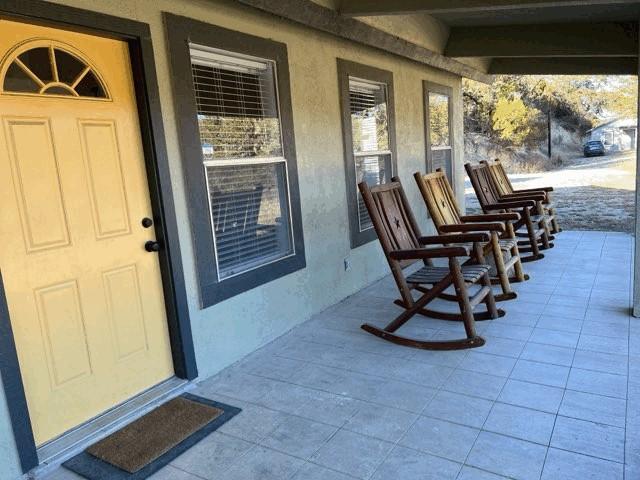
x=370, y=136
x=245, y=170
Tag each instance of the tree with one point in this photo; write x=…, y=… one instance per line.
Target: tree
x=513, y=120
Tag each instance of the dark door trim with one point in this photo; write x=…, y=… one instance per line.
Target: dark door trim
x=138, y=37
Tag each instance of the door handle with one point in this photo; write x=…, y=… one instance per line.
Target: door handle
x=152, y=246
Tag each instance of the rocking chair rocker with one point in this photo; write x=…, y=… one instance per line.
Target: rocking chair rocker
x=403, y=246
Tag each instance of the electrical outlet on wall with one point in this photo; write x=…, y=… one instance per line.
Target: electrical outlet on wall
x=347, y=264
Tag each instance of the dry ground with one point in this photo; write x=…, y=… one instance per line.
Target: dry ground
x=592, y=194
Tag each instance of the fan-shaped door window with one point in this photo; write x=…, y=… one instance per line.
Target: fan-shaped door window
x=52, y=70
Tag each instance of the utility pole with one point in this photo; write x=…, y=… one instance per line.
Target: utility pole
x=549, y=131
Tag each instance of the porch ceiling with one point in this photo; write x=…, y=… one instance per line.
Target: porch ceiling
x=529, y=36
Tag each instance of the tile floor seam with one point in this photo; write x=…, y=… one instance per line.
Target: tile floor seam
x=564, y=392
x=188, y=472
x=397, y=442
x=487, y=418
x=254, y=445
x=390, y=377
x=323, y=391
x=544, y=462
x=343, y=428
x=626, y=416
x=587, y=455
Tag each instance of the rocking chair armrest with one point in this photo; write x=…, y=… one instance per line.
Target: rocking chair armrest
x=492, y=217
x=538, y=196
x=433, y=252
x=473, y=227
x=455, y=238
x=511, y=204
x=538, y=189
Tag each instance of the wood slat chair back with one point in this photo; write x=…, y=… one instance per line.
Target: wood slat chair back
x=505, y=187
x=440, y=199
x=500, y=179
x=483, y=185
x=393, y=221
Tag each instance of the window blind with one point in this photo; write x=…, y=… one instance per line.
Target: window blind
x=370, y=134
x=369, y=123
x=250, y=215
x=245, y=171
x=237, y=106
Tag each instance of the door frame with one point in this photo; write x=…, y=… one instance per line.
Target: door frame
x=138, y=37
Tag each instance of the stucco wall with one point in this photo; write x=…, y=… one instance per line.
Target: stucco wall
x=9, y=461
x=226, y=332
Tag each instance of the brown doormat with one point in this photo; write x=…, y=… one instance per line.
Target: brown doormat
x=154, y=434
x=148, y=444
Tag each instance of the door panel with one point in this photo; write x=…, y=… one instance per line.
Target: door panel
x=37, y=183
x=126, y=315
x=104, y=173
x=85, y=298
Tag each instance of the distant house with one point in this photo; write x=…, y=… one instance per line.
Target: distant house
x=617, y=135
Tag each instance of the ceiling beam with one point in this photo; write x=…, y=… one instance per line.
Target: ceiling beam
x=362, y=8
x=565, y=66
x=548, y=40
x=312, y=15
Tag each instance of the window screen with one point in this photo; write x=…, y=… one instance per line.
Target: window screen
x=242, y=151
x=370, y=136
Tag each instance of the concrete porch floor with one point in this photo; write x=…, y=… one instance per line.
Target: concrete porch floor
x=554, y=393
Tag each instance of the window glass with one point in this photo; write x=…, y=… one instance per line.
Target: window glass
x=439, y=143
x=370, y=134
x=369, y=122
x=52, y=71
x=240, y=135
x=17, y=80
x=439, y=119
x=69, y=67
x=38, y=61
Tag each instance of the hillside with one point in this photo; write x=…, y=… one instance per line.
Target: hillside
x=510, y=119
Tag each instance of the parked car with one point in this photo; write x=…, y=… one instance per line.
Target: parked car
x=594, y=148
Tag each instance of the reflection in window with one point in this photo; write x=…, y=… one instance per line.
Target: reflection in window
x=52, y=71
x=439, y=132
x=439, y=120
x=244, y=163
x=370, y=133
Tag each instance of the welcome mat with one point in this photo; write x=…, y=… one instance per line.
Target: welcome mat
x=146, y=445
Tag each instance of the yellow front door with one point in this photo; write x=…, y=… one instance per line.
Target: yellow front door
x=85, y=297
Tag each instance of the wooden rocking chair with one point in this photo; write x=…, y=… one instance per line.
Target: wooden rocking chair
x=497, y=178
x=506, y=190
x=531, y=225
x=403, y=246
x=444, y=211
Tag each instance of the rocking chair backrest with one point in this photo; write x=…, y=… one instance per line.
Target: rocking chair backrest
x=392, y=219
x=500, y=169
x=439, y=197
x=482, y=183
x=499, y=177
